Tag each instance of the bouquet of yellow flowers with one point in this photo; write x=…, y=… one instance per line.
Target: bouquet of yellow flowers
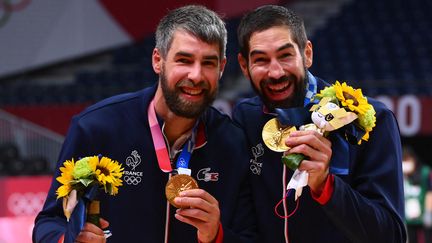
x=338, y=106
x=89, y=172
x=352, y=100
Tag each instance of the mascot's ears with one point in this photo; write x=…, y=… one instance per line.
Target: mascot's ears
x=343, y=120
x=350, y=117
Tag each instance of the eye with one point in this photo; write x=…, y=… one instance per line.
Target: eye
x=285, y=55
x=210, y=63
x=184, y=60
x=329, y=117
x=260, y=60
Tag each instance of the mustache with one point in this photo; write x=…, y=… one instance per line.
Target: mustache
x=190, y=84
x=282, y=79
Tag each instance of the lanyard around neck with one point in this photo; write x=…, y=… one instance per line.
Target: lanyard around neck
x=161, y=149
x=311, y=89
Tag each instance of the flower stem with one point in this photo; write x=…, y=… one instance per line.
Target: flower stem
x=93, y=212
x=293, y=160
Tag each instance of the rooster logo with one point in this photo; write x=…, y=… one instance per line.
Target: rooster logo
x=258, y=150
x=134, y=160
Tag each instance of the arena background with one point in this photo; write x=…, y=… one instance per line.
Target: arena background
x=57, y=57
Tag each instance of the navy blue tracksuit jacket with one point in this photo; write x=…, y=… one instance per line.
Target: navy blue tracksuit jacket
x=118, y=128
x=366, y=204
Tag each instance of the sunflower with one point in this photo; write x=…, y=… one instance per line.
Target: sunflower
x=108, y=174
x=65, y=178
x=351, y=98
x=77, y=177
x=367, y=122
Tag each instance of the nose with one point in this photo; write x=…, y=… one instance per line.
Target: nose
x=195, y=73
x=276, y=70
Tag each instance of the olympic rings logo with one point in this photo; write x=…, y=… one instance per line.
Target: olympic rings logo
x=26, y=204
x=7, y=8
x=132, y=180
x=255, y=169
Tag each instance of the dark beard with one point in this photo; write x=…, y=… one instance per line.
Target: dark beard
x=295, y=100
x=182, y=107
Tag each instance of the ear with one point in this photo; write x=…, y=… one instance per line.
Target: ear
x=308, y=54
x=350, y=117
x=156, y=61
x=243, y=65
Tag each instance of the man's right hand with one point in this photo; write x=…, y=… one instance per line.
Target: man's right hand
x=92, y=233
x=201, y=210
x=317, y=149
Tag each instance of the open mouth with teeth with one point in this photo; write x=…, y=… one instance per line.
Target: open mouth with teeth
x=278, y=91
x=192, y=93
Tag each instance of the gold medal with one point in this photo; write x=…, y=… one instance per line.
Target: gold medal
x=177, y=184
x=274, y=135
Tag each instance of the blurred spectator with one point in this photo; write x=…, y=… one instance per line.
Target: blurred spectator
x=418, y=197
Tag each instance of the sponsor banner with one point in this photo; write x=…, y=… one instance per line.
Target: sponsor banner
x=23, y=196
x=413, y=113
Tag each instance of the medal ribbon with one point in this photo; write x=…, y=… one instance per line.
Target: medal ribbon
x=186, y=153
x=160, y=146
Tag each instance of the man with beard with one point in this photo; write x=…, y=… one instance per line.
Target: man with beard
x=354, y=193
x=158, y=134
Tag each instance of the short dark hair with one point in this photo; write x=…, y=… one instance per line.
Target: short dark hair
x=266, y=17
x=196, y=20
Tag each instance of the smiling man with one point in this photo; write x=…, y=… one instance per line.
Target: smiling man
x=354, y=193
x=276, y=67
x=169, y=140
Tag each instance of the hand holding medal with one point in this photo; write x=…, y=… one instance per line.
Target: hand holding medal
x=183, y=180
x=274, y=135
x=177, y=184
x=339, y=105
